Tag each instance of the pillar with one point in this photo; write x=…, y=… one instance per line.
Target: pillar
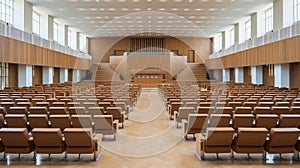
x=63, y=75
x=76, y=76
x=48, y=75
x=282, y=75
x=257, y=75
x=283, y=13
x=24, y=75
x=226, y=75
x=47, y=22
x=23, y=15
x=239, y=74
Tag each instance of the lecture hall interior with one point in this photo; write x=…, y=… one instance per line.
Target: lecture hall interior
x=150, y=83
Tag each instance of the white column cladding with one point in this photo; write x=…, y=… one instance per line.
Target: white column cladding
x=24, y=75
x=76, y=76
x=47, y=27
x=283, y=13
x=48, y=75
x=23, y=15
x=226, y=75
x=237, y=33
x=63, y=75
x=239, y=74
x=257, y=75
x=223, y=40
x=282, y=75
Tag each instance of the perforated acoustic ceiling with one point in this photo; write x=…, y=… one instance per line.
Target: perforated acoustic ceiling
x=182, y=18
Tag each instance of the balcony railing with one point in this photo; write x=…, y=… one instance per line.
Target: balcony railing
x=12, y=32
x=269, y=37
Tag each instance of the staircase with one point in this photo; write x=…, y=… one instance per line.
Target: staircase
x=193, y=72
x=104, y=73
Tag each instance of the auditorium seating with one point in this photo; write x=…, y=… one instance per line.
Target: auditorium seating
x=105, y=125
x=196, y=123
x=80, y=141
x=217, y=140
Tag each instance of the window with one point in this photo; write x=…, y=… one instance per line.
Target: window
x=269, y=19
x=83, y=43
x=232, y=37
x=248, y=29
x=3, y=75
x=70, y=38
x=36, y=22
x=296, y=10
x=7, y=10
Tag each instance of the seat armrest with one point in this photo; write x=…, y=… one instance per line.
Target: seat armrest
x=175, y=115
x=98, y=139
x=184, y=125
x=200, y=139
x=115, y=124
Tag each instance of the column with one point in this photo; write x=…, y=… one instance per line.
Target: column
x=63, y=75
x=76, y=76
x=223, y=40
x=47, y=27
x=66, y=29
x=24, y=75
x=239, y=74
x=217, y=75
x=283, y=13
x=282, y=75
x=257, y=75
x=78, y=41
x=48, y=75
x=23, y=15
x=254, y=28
x=236, y=33
x=226, y=75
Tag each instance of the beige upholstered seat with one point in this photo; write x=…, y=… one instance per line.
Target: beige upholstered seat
x=48, y=141
x=280, y=110
x=16, y=120
x=96, y=111
x=266, y=120
x=117, y=114
x=38, y=121
x=196, y=123
x=57, y=111
x=217, y=140
x=38, y=110
x=250, y=140
x=242, y=120
x=81, y=121
x=282, y=140
x=80, y=141
x=16, y=141
x=219, y=120
x=60, y=121
x=77, y=111
x=289, y=120
x=105, y=125
x=182, y=114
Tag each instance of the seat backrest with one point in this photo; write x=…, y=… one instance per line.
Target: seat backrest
x=184, y=112
x=14, y=137
x=95, y=111
x=205, y=110
x=251, y=137
x=289, y=120
x=221, y=136
x=47, y=137
x=38, y=120
x=78, y=137
x=242, y=120
x=282, y=104
x=81, y=121
x=265, y=104
x=2, y=110
x=262, y=110
x=103, y=122
x=60, y=121
x=243, y=110
x=77, y=111
x=16, y=120
x=224, y=110
x=283, y=136
x=114, y=111
x=220, y=120
x=18, y=110
x=197, y=121
x=266, y=120
x=280, y=110
x=57, y=110
x=58, y=104
x=295, y=110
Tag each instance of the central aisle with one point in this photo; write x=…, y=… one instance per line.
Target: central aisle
x=148, y=130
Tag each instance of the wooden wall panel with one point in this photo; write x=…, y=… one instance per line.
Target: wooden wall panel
x=14, y=51
x=102, y=48
x=283, y=51
x=38, y=75
x=56, y=77
x=12, y=75
x=295, y=75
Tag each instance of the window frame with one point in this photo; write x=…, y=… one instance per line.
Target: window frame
x=8, y=7
x=248, y=29
x=36, y=22
x=296, y=7
x=232, y=37
x=269, y=25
